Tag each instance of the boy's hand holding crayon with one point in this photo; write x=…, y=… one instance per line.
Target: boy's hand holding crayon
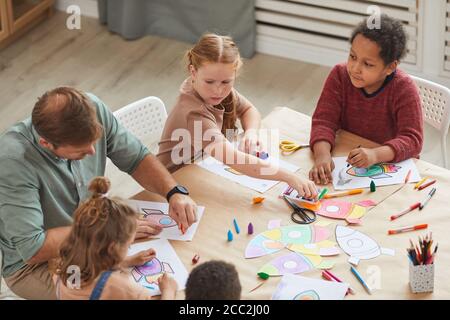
x=362, y=157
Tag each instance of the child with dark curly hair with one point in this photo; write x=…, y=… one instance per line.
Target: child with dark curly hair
x=370, y=97
x=213, y=280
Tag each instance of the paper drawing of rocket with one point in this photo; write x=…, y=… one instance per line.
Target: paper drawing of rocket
x=358, y=245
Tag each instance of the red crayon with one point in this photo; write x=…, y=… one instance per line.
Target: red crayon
x=426, y=185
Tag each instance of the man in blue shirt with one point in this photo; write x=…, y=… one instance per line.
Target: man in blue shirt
x=47, y=162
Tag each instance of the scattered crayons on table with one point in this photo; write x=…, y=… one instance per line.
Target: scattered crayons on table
x=418, y=184
x=373, y=188
x=426, y=185
x=195, y=258
x=326, y=274
x=360, y=279
x=409, y=209
x=250, y=228
x=230, y=235
x=342, y=193
x=257, y=200
x=322, y=193
x=407, y=229
x=430, y=194
x=236, y=226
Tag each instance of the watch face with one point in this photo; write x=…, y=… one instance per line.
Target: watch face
x=183, y=189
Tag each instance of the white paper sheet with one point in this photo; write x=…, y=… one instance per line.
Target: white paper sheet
x=158, y=212
x=292, y=287
x=166, y=261
x=256, y=184
x=345, y=178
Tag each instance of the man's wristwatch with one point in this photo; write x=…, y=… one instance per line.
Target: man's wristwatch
x=176, y=189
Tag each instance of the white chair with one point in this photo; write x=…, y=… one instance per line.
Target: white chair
x=436, y=109
x=145, y=119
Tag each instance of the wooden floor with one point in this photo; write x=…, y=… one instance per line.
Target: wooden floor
x=120, y=72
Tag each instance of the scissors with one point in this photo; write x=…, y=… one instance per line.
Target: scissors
x=301, y=215
x=290, y=146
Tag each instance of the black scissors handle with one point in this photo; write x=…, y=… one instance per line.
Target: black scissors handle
x=303, y=213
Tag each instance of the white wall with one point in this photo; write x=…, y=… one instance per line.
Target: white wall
x=88, y=7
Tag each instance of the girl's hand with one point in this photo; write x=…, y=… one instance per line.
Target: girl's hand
x=304, y=187
x=320, y=173
x=168, y=287
x=362, y=157
x=139, y=258
x=250, y=143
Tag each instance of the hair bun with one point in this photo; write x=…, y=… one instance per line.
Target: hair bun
x=99, y=186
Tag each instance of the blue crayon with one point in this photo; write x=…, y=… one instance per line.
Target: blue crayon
x=230, y=236
x=236, y=226
x=360, y=279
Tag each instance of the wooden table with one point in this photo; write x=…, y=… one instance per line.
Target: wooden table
x=225, y=200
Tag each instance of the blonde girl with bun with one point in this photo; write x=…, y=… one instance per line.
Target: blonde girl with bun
x=93, y=258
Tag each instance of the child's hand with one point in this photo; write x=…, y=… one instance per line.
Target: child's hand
x=320, y=173
x=145, y=229
x=168, y=287
x=304, y=187
x=139, y=258
x=250, y=143
x=362, y=157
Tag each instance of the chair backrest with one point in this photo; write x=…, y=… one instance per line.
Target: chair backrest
x=435, y=104
x=144, y=118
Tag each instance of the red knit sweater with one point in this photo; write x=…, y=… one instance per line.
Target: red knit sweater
x=393, y=117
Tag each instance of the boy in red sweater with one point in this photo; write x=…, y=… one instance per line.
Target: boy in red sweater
x=370, y=97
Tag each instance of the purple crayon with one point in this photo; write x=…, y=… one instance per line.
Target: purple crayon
x=250, y=228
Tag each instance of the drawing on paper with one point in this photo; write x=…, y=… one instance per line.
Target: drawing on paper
x=307, y=295
x=344, y=210
x=311, y=240
x=158, y=217
x=147, y=274
x=293, y=263
x=358, y=245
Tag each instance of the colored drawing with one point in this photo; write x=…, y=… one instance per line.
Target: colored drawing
x=158, y=213
x=381, y=174
x=147, y=274
x=377, y=171
x=307, y=239
x=292, y=263
x=350, y=212
x=358, y=245
x=166, y=261
x=307, y=295
x=295, y=287
x=158, y=217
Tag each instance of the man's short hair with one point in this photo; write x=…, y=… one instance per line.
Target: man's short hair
x=66, y=116
x=213, y=280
